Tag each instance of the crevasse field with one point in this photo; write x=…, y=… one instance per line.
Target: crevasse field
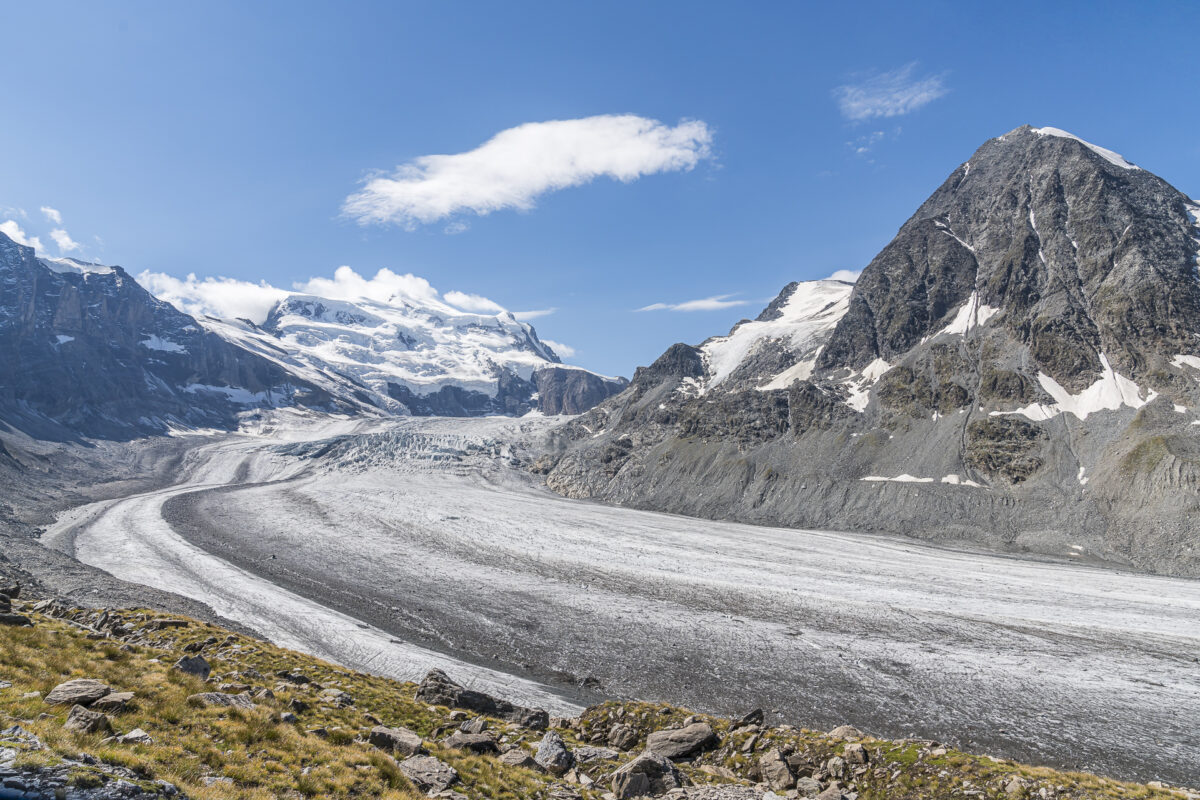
x=398, y=546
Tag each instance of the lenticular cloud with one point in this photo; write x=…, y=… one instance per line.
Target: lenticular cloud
x=517, y=165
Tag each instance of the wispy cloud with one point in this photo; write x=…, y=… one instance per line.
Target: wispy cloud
x=64, y=241
x=847, y=275
x=715, y=303
x=474, y=303
x=227, y=298
x=563, y=350
x=13, y=231
x=889, y=94
x=525, y=316
x=52, y=214
x=516, y=166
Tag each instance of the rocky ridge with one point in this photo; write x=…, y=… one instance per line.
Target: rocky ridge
x=1019, y=368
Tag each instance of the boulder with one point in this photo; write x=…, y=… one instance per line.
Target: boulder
x=222, y=700
x=588, y=753
x=396, y=740
x=477, y=725
x=775, y=770
x=429, y=774
x=622, y=736
x=194, y=665
x=648, y=774
x=855, y=754
x=337, y=697
x=519, y=758
x=831, y=793
x=677, y=743
x=12, y=591
x=113, y=702
x=553, y=755
x=755, y=717
x=80, y=720
x=135, y=736
x=16, y=621
x=846, y=732
x=81, y=691
x=437, y=689
x=288, y=718
x=478, y=743
x=808, y=787
x=5, y=604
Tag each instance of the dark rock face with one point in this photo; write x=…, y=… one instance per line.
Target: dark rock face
x=562, y=390
x=86, y=350
x=1019, y=367
x=437, y=689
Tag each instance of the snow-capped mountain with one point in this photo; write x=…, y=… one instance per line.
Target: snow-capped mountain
x=86, y=350
x=1020, y=366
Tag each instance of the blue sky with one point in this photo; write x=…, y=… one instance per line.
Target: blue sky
x=223, y=139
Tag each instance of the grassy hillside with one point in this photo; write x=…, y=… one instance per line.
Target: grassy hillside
x=261, y=752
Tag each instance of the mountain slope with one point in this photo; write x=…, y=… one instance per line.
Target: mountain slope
x=1019, y=367
x=85, y=350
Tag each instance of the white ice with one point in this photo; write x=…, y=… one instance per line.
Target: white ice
x=1108, y=155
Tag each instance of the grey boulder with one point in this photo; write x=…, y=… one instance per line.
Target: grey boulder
x=648, y=774
x=553, y=755
x=194, y=665
x=429, y=774
x=682, y=742
x=396, y=740
x=81, y=691
x=80, y=720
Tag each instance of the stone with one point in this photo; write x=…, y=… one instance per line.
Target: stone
x=679, y=743
x=194, y=665
x=831, y=793
x=477, y=725
x=113, y=702
x=429, y=774
x=16, y=621
x=80, y=720
x=135, y=736
x=622, y=736
x=288, y=718
x=12, y=591
x=755, y=717
x=588, y=753
x=298, y=705
x=478, y=743
x=519, y=758
x=655, y=775
x=808, y=787
x=553, y=755
x=836, y=766
x=775, y=770
x=631, y=784
x=222, y=700
x=437, y=689
x=846, y=732
x=396, y=740
x=81, y=691
x=163, y=624
x=856, y=754
x=337, y=697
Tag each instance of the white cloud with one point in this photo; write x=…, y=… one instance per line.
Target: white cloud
x=517, y=165
x=13, y=231
x=714, y=303
x=563, y=350
x=64, y=241
x=455, y=228
x=847, y=275
x=226, y=298
x=888, y=94
x=525, y=316
x=474, y=303
x=52, y=214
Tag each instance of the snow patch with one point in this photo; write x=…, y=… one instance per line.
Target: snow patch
x=902, y=478
x=235, y=394
x=811, y=312
x=971, y=315
x=1182, y=360
x=63, y=339
x=156, y=342
x=860, y=385
x=68, y=265
x=1111, y=391
x=1082, y=477
x=954, y=480
x=1115, y=159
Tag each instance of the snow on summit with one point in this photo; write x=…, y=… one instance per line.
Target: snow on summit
x=1115, y=159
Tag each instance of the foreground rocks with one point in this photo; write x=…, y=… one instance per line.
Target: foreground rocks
x=438, y=690
x=429, y=774
x=82, y=691
x=401, y=741
x=682, y=742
